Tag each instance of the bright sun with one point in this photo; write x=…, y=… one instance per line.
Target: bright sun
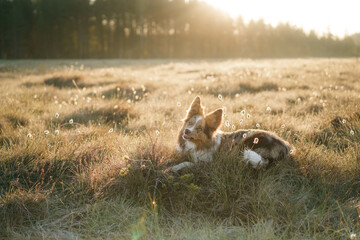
x=340, y=17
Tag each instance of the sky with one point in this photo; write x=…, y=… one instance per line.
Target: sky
x=340, y=17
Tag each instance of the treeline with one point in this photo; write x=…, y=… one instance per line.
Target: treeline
x=149, y=29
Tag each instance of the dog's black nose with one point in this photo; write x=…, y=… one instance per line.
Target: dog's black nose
x=187, y=131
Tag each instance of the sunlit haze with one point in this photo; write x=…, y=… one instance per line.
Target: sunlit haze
x=340, y=17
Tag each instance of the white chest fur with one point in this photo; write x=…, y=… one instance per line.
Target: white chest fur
x=202, y=155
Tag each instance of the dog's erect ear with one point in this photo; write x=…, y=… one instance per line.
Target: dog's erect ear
x=195, y=108
x=213, y=119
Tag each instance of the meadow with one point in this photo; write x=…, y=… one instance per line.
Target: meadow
x=85, y=147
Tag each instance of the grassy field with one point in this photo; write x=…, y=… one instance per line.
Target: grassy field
x=84, y=146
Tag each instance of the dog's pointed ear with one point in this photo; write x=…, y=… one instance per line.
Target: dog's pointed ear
x=213, y=119
x=195, y=108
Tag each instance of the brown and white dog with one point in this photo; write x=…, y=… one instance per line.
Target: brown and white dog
x=200, y=137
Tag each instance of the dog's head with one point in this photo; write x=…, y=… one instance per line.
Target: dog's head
x=199, y=127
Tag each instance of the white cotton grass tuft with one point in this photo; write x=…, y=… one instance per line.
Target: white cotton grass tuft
x=227, y=123
x=241, y=121
x=57, y=132
x=283, y=126
x=248, y=115
x=71, y=121
x=352, y=132
x=110, y=130
x=157, y=132
x=29, y=135
x=258, y=125
x=244, y=135
x=46, y=132
x=220, y=97
x=344, y=121
x=352, y=235
x=256, y=141
x=243, y=113
x=268, y=109
x=233, y=127
x=178, y=104
x=57, y=115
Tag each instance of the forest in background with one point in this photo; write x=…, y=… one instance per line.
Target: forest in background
x=150, y=29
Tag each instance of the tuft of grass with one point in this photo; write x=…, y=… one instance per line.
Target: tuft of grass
x=16, y=120
x=114, y=115
x=127, y=93
x=339, y=133
x=12, y=119
x=66, y=82
x=20, y=207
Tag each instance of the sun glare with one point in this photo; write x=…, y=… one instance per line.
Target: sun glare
x=338, y=17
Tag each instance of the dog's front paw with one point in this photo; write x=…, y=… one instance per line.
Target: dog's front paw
x=180, y=166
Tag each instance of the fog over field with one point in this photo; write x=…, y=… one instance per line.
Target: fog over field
x=85, y=146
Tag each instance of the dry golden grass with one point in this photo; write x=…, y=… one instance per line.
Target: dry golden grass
x=84, y=146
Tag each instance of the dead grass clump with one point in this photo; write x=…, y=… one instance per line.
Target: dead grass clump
x=65, y=82
x=127, y=93
x=109, y=115
x=7, y=140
